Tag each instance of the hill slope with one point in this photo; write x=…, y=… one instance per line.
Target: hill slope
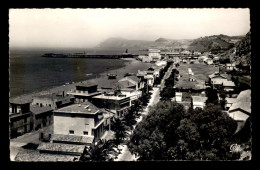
x=215, y=44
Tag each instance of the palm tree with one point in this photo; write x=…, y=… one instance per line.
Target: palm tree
x=100, y=151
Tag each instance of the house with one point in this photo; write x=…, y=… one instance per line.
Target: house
x=84, y=91
x=116, y=103
x=42, y=116
x=178, y=96
x=198, y=102
x=54, y=101
x=228, y=86
x=154, y=54
x=19, y=117
x=208, y=61
x=241, y=108
x=83, y=119
x=216, y=80
x=134, y=80
x=145, y=58
x=230, y=66
x=229, y=102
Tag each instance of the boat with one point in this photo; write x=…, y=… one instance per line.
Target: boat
x=111, y=76
x=89, y=74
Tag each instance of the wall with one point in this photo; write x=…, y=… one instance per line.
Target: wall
x=63, y=123
x=45, y=102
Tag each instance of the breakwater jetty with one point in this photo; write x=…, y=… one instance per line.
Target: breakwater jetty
x=83, y=55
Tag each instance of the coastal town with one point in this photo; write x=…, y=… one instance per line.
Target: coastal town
x=68, y=125
x=136, y=85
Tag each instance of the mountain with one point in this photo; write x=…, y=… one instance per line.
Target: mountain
x=161, y=43
x=215, y=44
x=124, y=43
x=170, y=43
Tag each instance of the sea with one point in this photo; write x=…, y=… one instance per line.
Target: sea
x=30, y=72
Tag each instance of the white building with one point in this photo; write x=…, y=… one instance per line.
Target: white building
x=198, y=102
x=154, y=54
x=178, y=96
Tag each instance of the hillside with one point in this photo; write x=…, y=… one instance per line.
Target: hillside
x=243, y=51
x=215, y=44
x=124, y=43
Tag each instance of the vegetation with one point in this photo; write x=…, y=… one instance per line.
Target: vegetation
x=212, y=95
x=118, y=126
x=168, y=92
x=170, y=133
x=100, y=151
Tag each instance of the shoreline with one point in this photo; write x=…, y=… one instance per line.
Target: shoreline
x=100, y=77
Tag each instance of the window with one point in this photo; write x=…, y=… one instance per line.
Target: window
x=71, y=131
x=37, y=104
x=50, y=105
x=85, y=132
x=40, y=104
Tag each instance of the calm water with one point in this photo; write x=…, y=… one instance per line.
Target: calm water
x=30, y=72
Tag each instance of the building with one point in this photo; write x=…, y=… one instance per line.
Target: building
x=134, y=80
x=84, y=91
x=19, y=117
x=42, y=116
x=228, y=86
x=198, y=102
x=145, y=58
x=178, y=96
x=230, y=66
x=229, y=102
x=154, y=54
x=55, y=101
x=118, y=104
x=83, y=119
x=240, y=110
x=208, y=61
x=216, y=80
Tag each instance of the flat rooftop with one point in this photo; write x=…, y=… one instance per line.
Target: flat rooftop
x=102, y=96
x=86, y=84
x=199, y=99
x=83, y=108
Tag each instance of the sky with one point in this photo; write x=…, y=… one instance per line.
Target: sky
x=84, y=28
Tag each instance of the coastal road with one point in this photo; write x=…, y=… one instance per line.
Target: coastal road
x=125, y=154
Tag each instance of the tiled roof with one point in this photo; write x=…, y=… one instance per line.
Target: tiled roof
x=243, y=102
x=19, y=100
x=35, y=156
x=72, y=138
x=60, y=147
x=134, y=78
x=38, y=110
x=83, y=108
x=218, y=81
x=126, y=83
x=217, y=74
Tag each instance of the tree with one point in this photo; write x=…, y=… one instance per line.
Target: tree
x=170, y=133
x=119, y=128
x=212, y=96
x=100, y=151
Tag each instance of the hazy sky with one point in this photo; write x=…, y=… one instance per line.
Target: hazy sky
x=89, y=27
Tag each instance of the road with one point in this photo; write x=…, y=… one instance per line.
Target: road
x=125, y=154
